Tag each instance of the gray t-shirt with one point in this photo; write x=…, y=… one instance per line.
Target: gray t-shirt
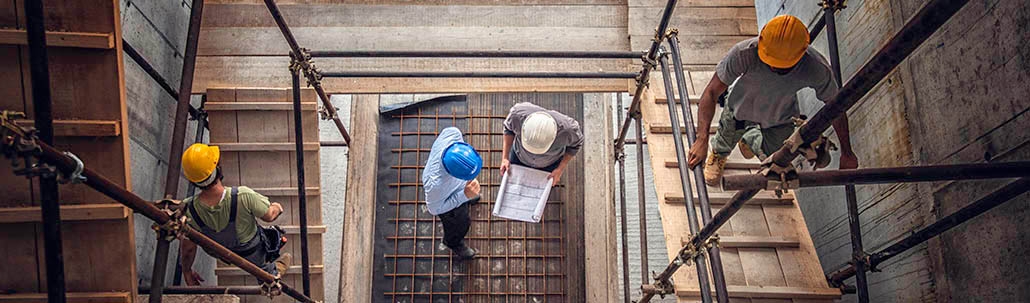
x=765, y=97
x=568, y=140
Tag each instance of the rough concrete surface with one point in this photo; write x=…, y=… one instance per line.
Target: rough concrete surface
x=333, y=162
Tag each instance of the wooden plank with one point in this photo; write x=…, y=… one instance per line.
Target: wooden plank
x=61, y=39
x=312, y=229
x=81, y=128
x=665, y=129
x=729, y=164
x=240, y=41
x=694, y=99
x=708, y=21
x=695, y=49
x=754, y=242
x=286, y=191
x=77, y=297
x=692, y=3
x=373, y=14
x=294, y=269
x=264, y=147
x=258, y=106
x=602, y=276
x=359, y=215
x=721, y=198
x=79, y=212
x=770, y=292
x=441, y=2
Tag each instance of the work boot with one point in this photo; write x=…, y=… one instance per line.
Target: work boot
x=745, y=150
x=282, y=264
x=713, y=169
x=464, y=252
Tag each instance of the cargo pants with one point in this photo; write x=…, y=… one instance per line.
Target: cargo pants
x=763, y=141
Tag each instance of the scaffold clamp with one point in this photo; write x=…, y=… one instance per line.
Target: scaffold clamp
x=75, y=176
x=272, y=289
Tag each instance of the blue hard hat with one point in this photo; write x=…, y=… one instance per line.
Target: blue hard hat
x=462, y=161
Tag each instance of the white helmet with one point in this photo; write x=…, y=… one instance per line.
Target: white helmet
x=538, y=132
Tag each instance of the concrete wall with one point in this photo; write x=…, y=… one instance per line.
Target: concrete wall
x=960, y=98
x=157, y=30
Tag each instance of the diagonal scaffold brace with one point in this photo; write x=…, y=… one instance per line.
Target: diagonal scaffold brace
x=17, y=142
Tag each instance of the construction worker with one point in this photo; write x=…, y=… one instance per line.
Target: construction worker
x=760, y=109
x=228, y=216
x=540, y=138
x=449, y=179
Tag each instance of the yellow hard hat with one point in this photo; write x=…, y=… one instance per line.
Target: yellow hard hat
x=199, y=162
x=783, y=41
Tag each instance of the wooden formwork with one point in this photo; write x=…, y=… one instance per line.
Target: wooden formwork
x=254, y=129
x=88, y=94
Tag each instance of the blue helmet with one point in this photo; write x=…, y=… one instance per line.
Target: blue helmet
x=462, y=161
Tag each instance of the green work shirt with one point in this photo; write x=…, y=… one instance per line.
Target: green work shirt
x=250, y=206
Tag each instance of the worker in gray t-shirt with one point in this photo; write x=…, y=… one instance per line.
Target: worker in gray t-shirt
x=540, y=138
x=759, y=110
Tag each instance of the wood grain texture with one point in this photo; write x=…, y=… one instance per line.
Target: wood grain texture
x=74, y=297
x=602, y=276
x=81, y=128
x=356, y=264
x=82, y=212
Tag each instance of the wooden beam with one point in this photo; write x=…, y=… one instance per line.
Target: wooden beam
x=729, y=164
x=359, y=215
x=286, y=191
x=720, y=198
x=76, y=297
x=312, y=229
x=754, y=241
x=248, y=147
x=239, y=106
x=665, y=100
x=771, y=292
x=61, y=39
x=81, y=128
x=80, y=212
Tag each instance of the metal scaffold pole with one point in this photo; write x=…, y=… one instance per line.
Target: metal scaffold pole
x=50, y=208
x=302, y=208
x=718, y=277
x=621, y=159
x=681, y=158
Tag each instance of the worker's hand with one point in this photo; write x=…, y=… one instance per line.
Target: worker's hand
x=192, y=278
x=505, y=165
x=698, y=152
x=556, y=175
x=848, y=160
x=472, y=189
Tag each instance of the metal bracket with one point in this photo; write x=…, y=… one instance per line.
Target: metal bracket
x=780, y=178
x=817, y=152
x=324, y=114
x=176, y=227
x=273, y=289
x=76, y=175
x=660, y=288
x=833, y=4
x=303, y=62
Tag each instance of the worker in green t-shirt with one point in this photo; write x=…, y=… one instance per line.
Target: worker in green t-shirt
x=227, y=215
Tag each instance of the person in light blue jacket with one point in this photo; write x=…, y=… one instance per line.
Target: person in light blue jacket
x=449, y=180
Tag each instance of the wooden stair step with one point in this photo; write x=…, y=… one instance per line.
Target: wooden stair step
x=694, y=99
x=72, y=297
x=312, y=229
x=256, y=147
x=294, y=269
x=71, y=212
x=245, y=106
x=754, y=242
x=729, y=164
x=61, y=39
x=770, y=292
x=667, y=129
x=721, y=198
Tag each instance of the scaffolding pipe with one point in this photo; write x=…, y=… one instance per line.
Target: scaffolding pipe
x=698, y=241
x=645, y=73
x=684, y=172
x=67, y=165
x=642, y=204
x=982, y=205
x=568, y=75
x=905, y=174
x=817, y=27
x=621, y=159
x=192, y=189
x=478, y=54
x=918, y=28
x=312, y=75
x=718, y=277
x=207, y=290
x=157, y=279
x=50, y=207
x=154, y=74
x=302, y=196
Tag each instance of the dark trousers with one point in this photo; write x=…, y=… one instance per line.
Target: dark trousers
x=514, y=159
x=456, y=224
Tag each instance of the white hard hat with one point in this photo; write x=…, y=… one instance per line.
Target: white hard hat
x=538, y=132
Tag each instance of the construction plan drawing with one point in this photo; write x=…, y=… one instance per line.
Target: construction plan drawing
x=523, y=194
